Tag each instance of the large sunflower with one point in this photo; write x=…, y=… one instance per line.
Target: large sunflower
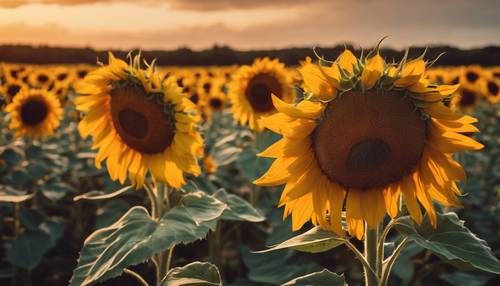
x=366, y=133
x=35, y=113
x=139, y=123
x=251, y=88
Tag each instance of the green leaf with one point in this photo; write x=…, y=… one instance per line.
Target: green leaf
x=11, y=195
x=12, y=156
x=251, y=166
x=98, y=195
x=276, y=267
x=470, y=279
x=451, y=241
x=55, y=191
x=314, y=240
x=238, y=208
x=322, y=278
x=202, y=207
x=136, y=237
x=27, y=250
x=196, y=273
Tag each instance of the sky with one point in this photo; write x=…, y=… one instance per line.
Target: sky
x=248, y=24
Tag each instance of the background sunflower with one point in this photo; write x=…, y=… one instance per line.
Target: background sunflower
x=34, y=113
x=251, y=88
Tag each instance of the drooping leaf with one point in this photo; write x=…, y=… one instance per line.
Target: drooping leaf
x=202, y=207
x=136, y=237
x=238, y=208
x=314, y=240
x=99, y=195
x=11, y=195
x=451, y=241
x=55, y=190
x=194, y=274
x=322, y=278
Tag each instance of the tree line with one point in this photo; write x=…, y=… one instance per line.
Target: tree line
x=223, y=55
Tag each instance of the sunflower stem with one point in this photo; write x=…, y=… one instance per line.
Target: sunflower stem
x=390, y=262
x=164, y=258
x=370, y=253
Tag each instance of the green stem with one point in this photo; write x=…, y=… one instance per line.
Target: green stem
x=371, y=240
x=390, y=262
x=164, y=258
x=360, y=256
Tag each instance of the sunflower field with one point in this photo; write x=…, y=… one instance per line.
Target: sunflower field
x=349, y=171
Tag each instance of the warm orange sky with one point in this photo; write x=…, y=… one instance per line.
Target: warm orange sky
x=248, y=24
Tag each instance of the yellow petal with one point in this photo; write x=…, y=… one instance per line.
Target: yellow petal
x=347, y=60
x=374, y=69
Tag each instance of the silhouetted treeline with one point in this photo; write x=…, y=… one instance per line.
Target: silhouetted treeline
x=221, y=55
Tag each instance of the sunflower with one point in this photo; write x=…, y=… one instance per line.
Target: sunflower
x=216, y=98
x=467, y=98
x=35, y=113
x=251, y=88
x=366, y=134
x=209, y=164
x=471, y=75
x=41, y=78
x=139, y=123
x=12, y=88
x=13, y=72
x=491, y=89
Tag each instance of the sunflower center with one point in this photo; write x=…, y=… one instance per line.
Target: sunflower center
x=259, y=90
x=134, y=123
x=195, y=98
x=367, y=154
x=468, y=97
x=33, y=112
x=43, y=78
x=13, y=90
x=369, y=140
x=82, y=74
x=140, y=122
x=206, y=87
x=215, y=103
x=493, y=88
x=471, y=76
x=62, y=76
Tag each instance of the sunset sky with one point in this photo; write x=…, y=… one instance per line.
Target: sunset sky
x=248, y=24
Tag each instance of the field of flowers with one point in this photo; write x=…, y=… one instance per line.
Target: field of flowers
x=328, y=173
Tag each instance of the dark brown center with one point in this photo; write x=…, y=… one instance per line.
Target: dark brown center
x=12, y=90
x=140, y=122
x=369, y=140
x=206, y=87
x=471, y=76
x=195, y=98
x=82, y=73
x=259, y=90
x=493, y=88
x=43, y=78
x=62, y=76
x=33, y=112
x=467, y=98
x=215, y=103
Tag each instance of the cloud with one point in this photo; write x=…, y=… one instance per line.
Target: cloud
x=214, y=5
